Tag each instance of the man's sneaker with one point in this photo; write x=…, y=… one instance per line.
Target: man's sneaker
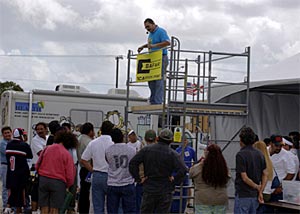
x=148, y=101
x=7, y=210
x=190, y=206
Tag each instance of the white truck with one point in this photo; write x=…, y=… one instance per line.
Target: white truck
x=25, y=109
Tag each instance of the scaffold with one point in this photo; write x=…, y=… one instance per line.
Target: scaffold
x=189, y=82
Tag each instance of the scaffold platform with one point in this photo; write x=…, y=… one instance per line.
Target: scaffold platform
x=193, y=109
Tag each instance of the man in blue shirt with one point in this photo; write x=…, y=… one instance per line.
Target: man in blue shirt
x=7, y=136
x=189, y=153
x=189, y=158
x=157, y=39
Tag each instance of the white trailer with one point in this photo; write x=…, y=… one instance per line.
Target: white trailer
x=25, y=109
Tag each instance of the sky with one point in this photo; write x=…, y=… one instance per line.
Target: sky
x=44, y=43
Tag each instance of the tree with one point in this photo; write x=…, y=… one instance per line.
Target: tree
x=9, y=85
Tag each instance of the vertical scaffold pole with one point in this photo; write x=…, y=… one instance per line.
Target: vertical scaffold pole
x=127, y=91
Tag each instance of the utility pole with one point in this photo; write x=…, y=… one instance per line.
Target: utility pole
x=117, y=68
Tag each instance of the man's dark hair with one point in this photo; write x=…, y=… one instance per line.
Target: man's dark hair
x=5, y=128
x=247, y=136
x=149, y=21
x=117, y=135
x=296, y=137
x=54, y=126
x=106, y=127
x=267, y=141
x=40, y=124
x=86, y=128
x=294, y=133
x=68, y=125
x=68, y=139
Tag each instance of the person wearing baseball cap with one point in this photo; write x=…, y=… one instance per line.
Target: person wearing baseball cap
x=163, y=169
x=133, y=141
x=25, y=135
x=150, y=136
x=17, y=151
x=288, y=145
x=283, y=166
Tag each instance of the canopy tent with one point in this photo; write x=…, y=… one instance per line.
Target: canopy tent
x=274, y=104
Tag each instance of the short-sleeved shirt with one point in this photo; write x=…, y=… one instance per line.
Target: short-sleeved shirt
x=283, y=164
x=252, y=162
x=157, y=36
x=136, y=145
x=83, y=142
x=118, y=157
x=37, y=145
x=189, y=155
x=95, y=151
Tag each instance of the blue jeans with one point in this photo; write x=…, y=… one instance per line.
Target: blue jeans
x=139, y=196
x=116, y=193
x=3, y=171
x=157, y=86
x=99, y=191
x=245, y=205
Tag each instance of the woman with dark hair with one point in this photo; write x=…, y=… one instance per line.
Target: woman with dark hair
x=210, y=178
x=57, y=172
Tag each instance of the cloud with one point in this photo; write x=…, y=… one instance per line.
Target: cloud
x=107, y=28
x=53, y=48
x=44, y=13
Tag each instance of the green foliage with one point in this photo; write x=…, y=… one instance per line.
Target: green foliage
x=9, y=85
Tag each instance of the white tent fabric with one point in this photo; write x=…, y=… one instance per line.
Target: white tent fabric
x=285, y=69
x=274, y=105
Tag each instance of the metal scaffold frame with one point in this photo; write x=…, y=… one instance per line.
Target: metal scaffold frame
x=176, y=83
x=198, y=66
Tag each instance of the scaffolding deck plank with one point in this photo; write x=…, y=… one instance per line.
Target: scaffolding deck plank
x=193, y=108
x=146, y=108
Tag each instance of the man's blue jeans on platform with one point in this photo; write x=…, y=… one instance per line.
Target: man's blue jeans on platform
x=157, y=86
x=245, y=205
x=3, y=173
x=99, y=191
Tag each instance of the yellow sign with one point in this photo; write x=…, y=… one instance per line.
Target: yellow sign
x=149, y=66
x=177, y=135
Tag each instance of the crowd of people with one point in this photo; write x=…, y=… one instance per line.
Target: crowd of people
x=113, y=176
x=109, y=175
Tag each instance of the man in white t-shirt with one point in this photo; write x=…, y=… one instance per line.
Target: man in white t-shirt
x=287, y=145
x=120, y=182
x=95, y=151
x=137, y=145
x=283, y=166
x=38, y=143
x=133, y=141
